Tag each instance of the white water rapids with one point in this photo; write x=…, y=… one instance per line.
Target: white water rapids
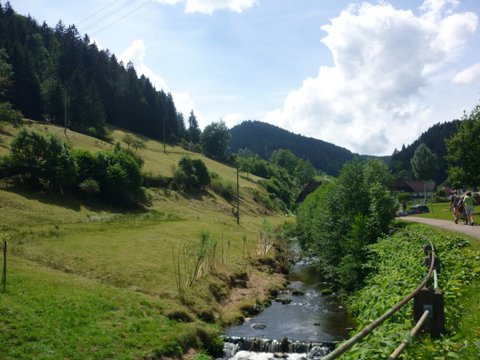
x=248, y=355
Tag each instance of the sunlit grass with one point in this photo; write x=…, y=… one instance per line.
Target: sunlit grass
x=47, y=314
x=88, y=280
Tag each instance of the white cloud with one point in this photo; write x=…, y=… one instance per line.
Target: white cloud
x=372, y=99
x=183, y=103
x=468, y=76
x=136, y=54
x=170, y=2
x=233, y=119
x=210, y=6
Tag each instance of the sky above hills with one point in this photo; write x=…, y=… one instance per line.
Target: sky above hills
x=369, y=76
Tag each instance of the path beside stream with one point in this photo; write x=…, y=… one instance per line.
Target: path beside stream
x=473, y=231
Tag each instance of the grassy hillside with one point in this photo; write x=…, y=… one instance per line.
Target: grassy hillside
x=89, y=281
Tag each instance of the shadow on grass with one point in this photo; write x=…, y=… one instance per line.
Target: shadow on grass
x=69, y=201
x=195, y=194
x=247, y=178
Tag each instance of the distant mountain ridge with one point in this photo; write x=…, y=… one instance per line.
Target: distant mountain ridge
x=434, y=138
x=263, y=139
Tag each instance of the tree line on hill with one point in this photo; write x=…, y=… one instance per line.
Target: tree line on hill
x=62, y=77
x=264, y=139
x=435, y=140
x=54, y=74
x=43, y=161
x=338, y=221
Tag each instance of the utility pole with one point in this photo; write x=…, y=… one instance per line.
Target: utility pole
x=4, y=270
x=65, y=103
x=164, y=138
x=238, y=199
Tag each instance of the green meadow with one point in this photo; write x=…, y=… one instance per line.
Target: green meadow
x=89, y=281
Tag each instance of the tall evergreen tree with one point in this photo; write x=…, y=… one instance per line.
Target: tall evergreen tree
x=51, y=65
x=193, y=129
x=5, y=73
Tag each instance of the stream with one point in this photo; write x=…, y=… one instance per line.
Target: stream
x=306, y=313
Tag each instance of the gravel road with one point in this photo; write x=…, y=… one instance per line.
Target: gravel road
x=473, y=231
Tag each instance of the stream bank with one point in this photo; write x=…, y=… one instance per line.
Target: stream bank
x=305, y=320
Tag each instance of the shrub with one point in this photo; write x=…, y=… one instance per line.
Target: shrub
x=8, y=114
x=224, y=188
x=87, y=165
x=43, y=160
x=263, y=199
x=155, y=181
x=339, y=220
x=192, y=174
x=119, y=176
x=5, y=167
x=90, y=187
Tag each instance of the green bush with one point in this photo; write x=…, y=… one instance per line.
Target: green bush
x=225, y=189
x=192, y=174
x=339, y=220
x=155, y=180
x=404, y=196
x=119, y=176
x=87, y=164
x=8, y=114
x=263, y=199
x=398, y=269
x=43, y=160
x=90, y=187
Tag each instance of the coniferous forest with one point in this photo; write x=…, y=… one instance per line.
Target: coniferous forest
x=60, y=76
x=263, y=139
x=434, y=138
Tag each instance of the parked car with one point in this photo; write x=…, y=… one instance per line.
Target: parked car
x=418, y=209
x=402, y=213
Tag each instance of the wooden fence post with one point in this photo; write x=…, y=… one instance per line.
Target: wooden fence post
x=438, y=322
x=421, y=302
x=4, y=272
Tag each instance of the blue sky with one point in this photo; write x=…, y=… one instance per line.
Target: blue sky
x=369, y=76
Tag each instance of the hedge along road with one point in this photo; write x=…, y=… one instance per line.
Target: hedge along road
x=473, y=231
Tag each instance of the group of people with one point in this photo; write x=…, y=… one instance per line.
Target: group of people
x=462, y=206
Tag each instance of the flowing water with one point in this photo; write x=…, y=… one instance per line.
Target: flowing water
x=308, y=319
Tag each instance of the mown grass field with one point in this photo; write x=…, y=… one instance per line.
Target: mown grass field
x=89, y=281
x=441, y=211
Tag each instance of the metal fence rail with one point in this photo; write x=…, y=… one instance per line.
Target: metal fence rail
x=418, y=326
x=374, y=324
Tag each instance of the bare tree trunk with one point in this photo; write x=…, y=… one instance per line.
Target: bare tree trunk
x=424, y=192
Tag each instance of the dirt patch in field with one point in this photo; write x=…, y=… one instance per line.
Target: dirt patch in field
x=246, y=300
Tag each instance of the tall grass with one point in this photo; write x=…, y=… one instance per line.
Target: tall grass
x=194, y=260
x=266, y=237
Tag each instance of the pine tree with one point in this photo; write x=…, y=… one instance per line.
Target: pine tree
x=193, y=129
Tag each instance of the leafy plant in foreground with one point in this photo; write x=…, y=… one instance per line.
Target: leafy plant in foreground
x=397, y=263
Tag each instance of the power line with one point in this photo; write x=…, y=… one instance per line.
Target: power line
x=96, y=12
x=98, y=21
x=120, y=18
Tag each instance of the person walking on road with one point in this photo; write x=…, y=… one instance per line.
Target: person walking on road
x=469, y=202
x=454, y=206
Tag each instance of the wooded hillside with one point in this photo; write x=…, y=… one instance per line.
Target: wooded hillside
x=263, y=139
x=59, y=74
x=434, y=138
